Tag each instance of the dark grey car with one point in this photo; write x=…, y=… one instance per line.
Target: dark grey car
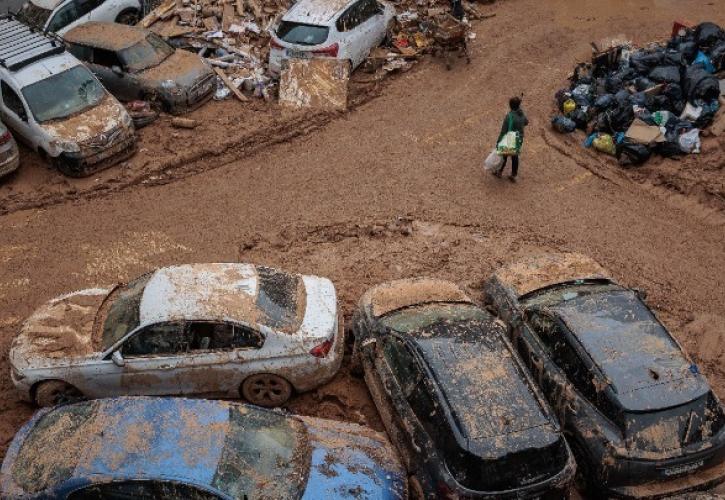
x=640, y=417
x=133, y=63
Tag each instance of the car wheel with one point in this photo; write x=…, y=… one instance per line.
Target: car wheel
x=266, y=389
x=67, y=169
x=415, y=490
x=129, y=17
x=54, y=392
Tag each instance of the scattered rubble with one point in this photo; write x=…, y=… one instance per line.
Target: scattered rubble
x=633, y=102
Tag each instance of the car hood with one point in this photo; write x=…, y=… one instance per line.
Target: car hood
x=59, y=331
x=182, y=67
x=106, y=116
x=350, y=461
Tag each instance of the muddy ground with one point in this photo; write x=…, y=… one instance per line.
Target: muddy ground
x=392, y=189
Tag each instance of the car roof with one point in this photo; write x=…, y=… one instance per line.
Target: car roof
x=217, y=292
x=47, y=4
x=109, y=36
x=634, y=352
x=393, y=295
x=541, y=271
x=316, y=12
x=44, y=68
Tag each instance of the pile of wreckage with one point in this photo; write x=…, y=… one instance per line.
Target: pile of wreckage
x=233, y=36
x=633, y=102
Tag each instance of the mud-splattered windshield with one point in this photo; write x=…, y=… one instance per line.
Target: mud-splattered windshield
x=420, y=318
x=33, y=15
x=148, y=53
x=265, y=456
x=123, y=311
x=64, y=94
x=281, y=298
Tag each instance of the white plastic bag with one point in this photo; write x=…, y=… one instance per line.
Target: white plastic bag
x=493, y=162
x=690, y=141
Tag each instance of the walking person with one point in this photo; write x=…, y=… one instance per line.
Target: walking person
x=514, y=121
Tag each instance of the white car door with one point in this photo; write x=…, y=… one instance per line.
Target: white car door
x=16, y=114
x=371, y=29
x=72, y=14
x=154, y=361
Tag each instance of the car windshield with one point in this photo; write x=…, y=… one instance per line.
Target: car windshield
x=557, y=294
x=123, y=311
x=282, y=299
x=64, y=94
x=33, y=15
x=302, y=34
x=416, y=319
x=147, y=53
x=265, y=455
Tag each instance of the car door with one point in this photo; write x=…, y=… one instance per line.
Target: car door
x=108, y=67
x=350, y=36
x=222, y=355
x=371, y=28
x=74, y=13
x=155, y=362
x=16, y=114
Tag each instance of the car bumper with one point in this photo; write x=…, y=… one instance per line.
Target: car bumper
x=9, y=161
x=704, y=479
x=83, y=164
x=324, y=369
x=197, y=96
x=22, y=385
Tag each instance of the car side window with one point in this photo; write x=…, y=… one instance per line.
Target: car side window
x=402, y=364
x=85, y=6
x=65, y=15
x=106, y=58
x=13, y=102
x=140, y=490
x=368, y=9
x=207, y=336
x=81, y=51
x=165, y=338
x=422, y=403
x=351, y=18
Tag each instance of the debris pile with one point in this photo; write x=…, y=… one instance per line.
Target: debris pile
x=633, y=102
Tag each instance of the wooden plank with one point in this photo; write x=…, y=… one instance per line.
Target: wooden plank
x=227, y=15
x=157, y=13
x=230, y=85
x=240, y=8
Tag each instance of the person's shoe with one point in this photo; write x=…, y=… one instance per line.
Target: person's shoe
x=497, y=173
x=512, y=178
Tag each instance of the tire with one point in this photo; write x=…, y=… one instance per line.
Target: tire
x=266, y=389
x=129, y=17
x=54, y=392
x=68, y=170
x=415, y=490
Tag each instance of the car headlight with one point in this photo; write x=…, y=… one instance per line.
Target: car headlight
x=69, y=146
x=171, y=87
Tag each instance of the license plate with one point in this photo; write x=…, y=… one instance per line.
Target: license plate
x=683, y=469
x=297, y=54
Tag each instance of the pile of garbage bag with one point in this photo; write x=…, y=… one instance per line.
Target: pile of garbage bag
x=635, y=102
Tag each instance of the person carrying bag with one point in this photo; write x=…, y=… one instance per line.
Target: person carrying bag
x=511, y=138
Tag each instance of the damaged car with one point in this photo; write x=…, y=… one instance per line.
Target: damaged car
x=640, y=417
x=174, y=448
x=455, y=398
x=9, y=154
x=59, y=16
x=224, y=329
x=56, y=106
x=342, y=29
x=137, y=64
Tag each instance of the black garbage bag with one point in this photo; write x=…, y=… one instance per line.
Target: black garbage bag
x=563, y=124
x=640, y=99
x=709, y=109
x=561, y=96
x=623, y=98
x=673, y=58
x=699, y=84
x=665, y=74
x=717, y=56
x=604, y=101
x=641, y=83
x=580, y=118
x=613, y=84
x=643, y=62
x=632, y=154
x=658, y=102
x=668, y=149
x=688, y=49
x=613, y=120
x=708, y=34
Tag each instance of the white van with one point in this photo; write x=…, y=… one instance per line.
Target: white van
x=57, y=106
x=59, y=16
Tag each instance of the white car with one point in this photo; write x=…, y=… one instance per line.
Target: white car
x=344, y=29
x=9, y=155
x=56, y=106
x=59, y=16
x=204, y=329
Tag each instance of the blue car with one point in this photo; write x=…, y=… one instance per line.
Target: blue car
x=171, y=448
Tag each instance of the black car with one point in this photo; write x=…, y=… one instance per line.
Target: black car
x=455, y=397
x=640, y=417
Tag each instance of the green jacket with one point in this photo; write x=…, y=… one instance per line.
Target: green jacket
x=518, y=122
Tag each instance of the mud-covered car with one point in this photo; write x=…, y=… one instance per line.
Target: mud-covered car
x=9, y=154
x=455, y=397
x=56, y=106
x=134, y=63
x=640, y=417
x=174, y=448
x=215, y=329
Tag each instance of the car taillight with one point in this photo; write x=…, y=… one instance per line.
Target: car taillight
x=320, y=351
x=330, y=51
x=274, y=44
x=5, y=138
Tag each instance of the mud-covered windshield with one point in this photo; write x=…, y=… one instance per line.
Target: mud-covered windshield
x=64, y=94
x=282, y=299
x=148, y=53
x=123, y=311
x=265, y=455
x=33, y=15
x=420, y=318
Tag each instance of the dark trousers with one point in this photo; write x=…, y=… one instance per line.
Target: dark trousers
x=514, y=165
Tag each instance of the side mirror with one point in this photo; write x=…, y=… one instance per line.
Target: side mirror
x=117, y=359
x=117, y=70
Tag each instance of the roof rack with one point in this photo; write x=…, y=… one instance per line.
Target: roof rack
x=21, y=45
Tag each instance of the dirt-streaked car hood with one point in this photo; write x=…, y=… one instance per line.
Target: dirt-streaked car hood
x=182, y=67
x=59, y=331
x=104, y=117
